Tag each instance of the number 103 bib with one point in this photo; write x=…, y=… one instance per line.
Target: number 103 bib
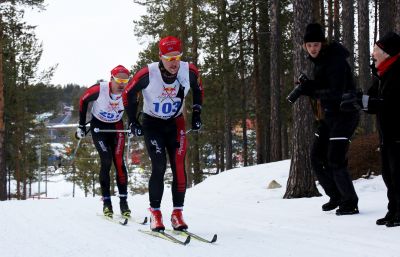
x=161, y=100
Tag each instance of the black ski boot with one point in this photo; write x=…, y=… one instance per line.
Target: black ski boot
x=123, y=205
x=107, y=209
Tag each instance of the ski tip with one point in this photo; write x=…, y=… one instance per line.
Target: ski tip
x=187, y=241
x=124, y=221
x=214, y=239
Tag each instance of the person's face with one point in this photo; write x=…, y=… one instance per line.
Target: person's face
x=378, y=56
x=313, y=48
x=171, y=61
x=118, y=83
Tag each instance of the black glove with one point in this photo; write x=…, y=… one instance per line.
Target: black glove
x=80, y=132
x=196, y=120
x=351, y=101
x=303, y=87
x=136, y=129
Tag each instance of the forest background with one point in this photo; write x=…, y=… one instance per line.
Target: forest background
x=249, y=54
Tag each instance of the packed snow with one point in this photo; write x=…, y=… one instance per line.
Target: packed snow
x=250, y=220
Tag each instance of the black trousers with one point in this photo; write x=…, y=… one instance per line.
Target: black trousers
x=162, y=137
x=110, y=147
x=329, y=156
x=390, y=154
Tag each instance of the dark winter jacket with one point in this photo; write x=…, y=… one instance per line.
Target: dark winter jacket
x=332, y=76
x=384, y=101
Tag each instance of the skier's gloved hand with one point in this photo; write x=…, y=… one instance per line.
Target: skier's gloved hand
x=80, y=132
x=196, y=120
x=135, y=129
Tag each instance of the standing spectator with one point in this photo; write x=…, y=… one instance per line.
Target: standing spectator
x=382, y=100
x=332, y=78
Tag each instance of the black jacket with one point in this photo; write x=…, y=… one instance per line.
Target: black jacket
x=332, y=76
x=384, y=101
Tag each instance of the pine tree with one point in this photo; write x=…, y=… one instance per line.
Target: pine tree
x=301, y=181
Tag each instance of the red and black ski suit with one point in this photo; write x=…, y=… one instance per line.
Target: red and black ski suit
x=163, y=122
x=106, y=114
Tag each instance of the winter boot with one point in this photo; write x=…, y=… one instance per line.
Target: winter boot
x=177, y=220
x=394, y=222
x=383, y=221
x=123, y=205
x=331, y=205
x=156, y=223
x=347, y=210
x=107, y=209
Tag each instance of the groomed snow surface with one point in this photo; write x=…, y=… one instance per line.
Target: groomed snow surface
x=250, y=221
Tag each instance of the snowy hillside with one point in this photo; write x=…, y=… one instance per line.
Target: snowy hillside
x=250, y=221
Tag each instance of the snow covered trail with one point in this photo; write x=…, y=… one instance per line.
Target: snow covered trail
x=249, y=220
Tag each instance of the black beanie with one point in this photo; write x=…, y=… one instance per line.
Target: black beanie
x=314, y=33
x=389, y=43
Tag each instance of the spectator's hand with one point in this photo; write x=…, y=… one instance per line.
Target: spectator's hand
x=80, y=132
x=136, y=129
x=196, y=120
x=351, y=101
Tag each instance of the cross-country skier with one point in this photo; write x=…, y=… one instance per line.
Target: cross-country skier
x=164, y=85
x=107, y=111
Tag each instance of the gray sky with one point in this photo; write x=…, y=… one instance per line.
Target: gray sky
x=87, y=38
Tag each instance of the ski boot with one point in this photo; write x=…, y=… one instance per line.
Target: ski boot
x=156, y=223
x=107, y=209
x=177, y=220
x=123, y=205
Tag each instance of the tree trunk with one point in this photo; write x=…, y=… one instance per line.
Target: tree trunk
x=336, y=20
x=222, y=157
x=260, y=127
x=244, y=91
x=364, y=73
x=276, y=147
x=3, y=172
x=301, y=181
x=226, y=84
x=198, y=173
x=386, y=16
x=264, y=73
x=375, y=20
x=318, y=11
x=348, y=28
x=330, y=20
x=397, y=16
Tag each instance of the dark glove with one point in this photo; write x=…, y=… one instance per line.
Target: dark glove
x=351, y=101
x=196, y=120
x=80, y=132
x=303, y=87
x=136, y=129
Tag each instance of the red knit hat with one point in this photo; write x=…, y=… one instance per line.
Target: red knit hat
x=119, y=69
x=169, y=44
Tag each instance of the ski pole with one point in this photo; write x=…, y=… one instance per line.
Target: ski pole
x=76, y=150
x=97, y=130
x=127, y=151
